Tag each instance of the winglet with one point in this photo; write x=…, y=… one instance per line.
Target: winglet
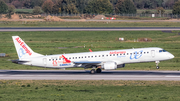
x=90, y=50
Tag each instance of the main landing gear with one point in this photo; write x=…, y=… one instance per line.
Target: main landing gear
x=94, y=70
x=98, y=70
x=157, y=62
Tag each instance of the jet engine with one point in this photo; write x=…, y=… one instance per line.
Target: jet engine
x=121, y=66
x=109, y=65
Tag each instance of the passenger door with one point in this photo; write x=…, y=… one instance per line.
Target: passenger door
x=153, y=53
x=45, y=61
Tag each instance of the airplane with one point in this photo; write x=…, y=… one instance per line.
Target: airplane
x=107, y=60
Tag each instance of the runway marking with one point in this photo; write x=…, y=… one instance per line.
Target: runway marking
x=93, y=29
x=172, y=76
x=84, y=75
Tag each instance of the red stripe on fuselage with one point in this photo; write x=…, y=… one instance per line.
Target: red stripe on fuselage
x=66, y=60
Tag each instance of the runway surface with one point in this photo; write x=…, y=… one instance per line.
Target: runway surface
x=85, y=75
x=90, y=29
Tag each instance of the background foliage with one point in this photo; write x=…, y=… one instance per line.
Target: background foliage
x=176, y=8
x=3, y=7
x=99, y=6
x=125, y=7
x=91, y=6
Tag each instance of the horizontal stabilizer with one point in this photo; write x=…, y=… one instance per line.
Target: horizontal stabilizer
x=17, y=61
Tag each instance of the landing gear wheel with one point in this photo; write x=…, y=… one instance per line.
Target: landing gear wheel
x=157, y=67
x=157, y=62
x=93, y=71
x=98, y=70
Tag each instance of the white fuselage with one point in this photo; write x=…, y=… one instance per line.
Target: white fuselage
x=84, y=59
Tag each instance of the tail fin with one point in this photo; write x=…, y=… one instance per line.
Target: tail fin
x=23, y=50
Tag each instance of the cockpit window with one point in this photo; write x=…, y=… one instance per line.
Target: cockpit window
x=162, y=50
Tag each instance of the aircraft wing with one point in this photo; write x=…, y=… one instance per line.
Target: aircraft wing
x=87, y=62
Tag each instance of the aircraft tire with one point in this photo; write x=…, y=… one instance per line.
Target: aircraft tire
x=98, y=70
x=157, y=67
x=93, y=71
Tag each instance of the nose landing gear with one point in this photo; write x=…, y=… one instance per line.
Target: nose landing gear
x=157, y=67
x=157, y=62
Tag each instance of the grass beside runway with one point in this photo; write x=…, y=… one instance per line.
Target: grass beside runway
x=88, y=24
x=74, y=41
x=74, y=90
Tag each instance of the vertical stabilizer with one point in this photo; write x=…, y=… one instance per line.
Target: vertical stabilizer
x=23, y=50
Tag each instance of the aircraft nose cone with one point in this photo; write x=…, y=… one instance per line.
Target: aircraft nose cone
x=171, y=56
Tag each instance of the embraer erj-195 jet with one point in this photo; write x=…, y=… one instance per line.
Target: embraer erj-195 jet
x=106, y=60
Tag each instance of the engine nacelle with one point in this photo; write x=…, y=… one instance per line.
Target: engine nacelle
x=109, y=65
x=121, y=66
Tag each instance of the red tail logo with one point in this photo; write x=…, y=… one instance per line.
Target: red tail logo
x=23, y=45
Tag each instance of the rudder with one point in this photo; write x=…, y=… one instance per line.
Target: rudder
x=22, y=49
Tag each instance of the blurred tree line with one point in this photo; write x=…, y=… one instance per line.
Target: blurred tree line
x=81, y=4
x=8, y=9
x=153, y=4
x=91, y=6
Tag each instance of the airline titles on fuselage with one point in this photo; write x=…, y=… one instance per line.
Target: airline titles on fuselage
x=63, y=61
